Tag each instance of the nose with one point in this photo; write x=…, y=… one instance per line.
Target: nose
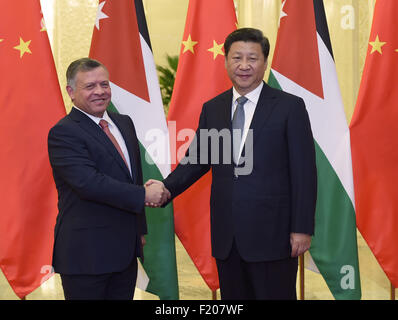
x=244, y=64
x=98, y=89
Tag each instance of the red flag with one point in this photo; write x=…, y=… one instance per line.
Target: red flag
x=30, y=104
x=200, y=76
x=374, y=140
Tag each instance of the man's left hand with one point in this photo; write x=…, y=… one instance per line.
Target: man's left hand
x=300, y=243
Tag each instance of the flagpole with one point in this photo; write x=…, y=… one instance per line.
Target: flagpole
x=214, y=295
x=301, y=270
x=392, y=292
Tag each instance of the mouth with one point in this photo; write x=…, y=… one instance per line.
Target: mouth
x=99, y=100
x=244, y=76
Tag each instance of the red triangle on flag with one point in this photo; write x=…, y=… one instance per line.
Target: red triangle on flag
x=121, y=52
x=297, y=46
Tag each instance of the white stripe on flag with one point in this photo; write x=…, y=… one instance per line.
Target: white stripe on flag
x=327, y=113
x=153, y=134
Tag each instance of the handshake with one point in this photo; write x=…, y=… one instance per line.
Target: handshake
x=155, y=193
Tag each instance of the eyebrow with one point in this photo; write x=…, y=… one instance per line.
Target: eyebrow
x=94, y=82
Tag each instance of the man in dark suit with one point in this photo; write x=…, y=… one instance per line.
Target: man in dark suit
x=263, y=202
x=100, y=227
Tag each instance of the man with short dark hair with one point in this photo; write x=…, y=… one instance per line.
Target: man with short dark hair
x=262, y=219
x=95, y=157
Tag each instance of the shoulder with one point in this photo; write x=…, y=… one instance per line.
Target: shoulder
x=285, y=102
x=219, y=102
x=281, y=95
x=122, y=121
x=70, y=126
x=221, y=98
x=119, y=117
x=63, y=124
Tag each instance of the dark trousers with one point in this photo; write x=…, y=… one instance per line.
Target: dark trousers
x=270, y=280
x=109, y=286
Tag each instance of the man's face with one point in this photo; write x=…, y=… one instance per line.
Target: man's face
x=245, y=65
x=92, y=92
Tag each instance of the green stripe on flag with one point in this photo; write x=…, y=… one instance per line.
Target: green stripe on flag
x=157, y=251
x=334, y=230
x=334, y=244
x=273, y=82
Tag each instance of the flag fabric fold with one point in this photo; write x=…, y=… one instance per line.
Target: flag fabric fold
x=200, y=76
x=121, y=42
x=30, y=103
x=375, y=143
x=303, y=65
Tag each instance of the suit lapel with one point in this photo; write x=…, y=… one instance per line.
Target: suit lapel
x=96, y=132
x=265, y=105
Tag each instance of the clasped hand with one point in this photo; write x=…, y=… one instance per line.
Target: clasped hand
x=155, y=193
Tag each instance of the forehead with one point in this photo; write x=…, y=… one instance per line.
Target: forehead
x=245, y=47
x=94, y=75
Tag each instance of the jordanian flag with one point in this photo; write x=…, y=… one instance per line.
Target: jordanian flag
x=121, y=42
x=303, y=65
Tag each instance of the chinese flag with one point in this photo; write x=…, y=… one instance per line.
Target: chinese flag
x=30, y=104
x=200, y=76
x=374, y=140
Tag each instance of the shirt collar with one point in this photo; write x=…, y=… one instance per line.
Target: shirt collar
x=96, y=119
x=252, y=96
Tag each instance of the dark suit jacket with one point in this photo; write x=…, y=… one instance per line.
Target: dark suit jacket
x=101, y=206
x=261, y=209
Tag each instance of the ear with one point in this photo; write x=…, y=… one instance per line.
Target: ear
x=70, y=91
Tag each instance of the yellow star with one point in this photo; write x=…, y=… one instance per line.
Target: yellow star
x=189, y=44
x=43, y=25
x=376, y=45
x=1, y=40
x=217, y=49
x=23, y=47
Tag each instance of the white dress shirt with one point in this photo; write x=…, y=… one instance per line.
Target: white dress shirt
x=114, y=130
x=249, y=107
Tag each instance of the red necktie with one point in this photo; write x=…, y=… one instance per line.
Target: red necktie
x=104, y=125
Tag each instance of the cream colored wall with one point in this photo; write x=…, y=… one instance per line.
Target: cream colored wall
x=349, y=25
x=166, y=22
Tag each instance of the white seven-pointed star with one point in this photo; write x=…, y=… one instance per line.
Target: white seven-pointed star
x=282, y=14
x=100, y=14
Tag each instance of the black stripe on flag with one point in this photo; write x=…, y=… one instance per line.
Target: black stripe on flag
x=322, y=25
x=142, y=26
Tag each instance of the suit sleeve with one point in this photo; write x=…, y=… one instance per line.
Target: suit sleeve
x=303, y=173
x=190, y=168
x=74, y=168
